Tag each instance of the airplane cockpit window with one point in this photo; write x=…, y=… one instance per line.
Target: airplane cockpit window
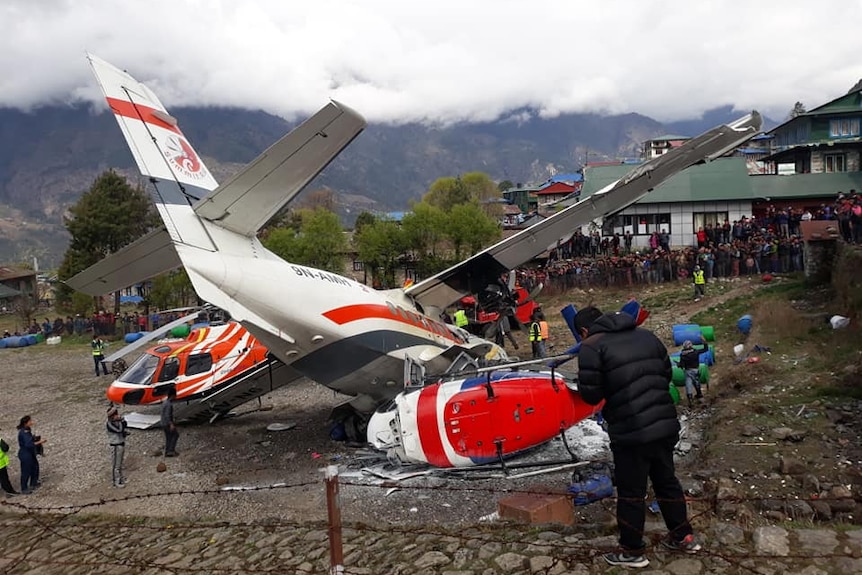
x=199, y=363
x=170, y=370
x=142, y=370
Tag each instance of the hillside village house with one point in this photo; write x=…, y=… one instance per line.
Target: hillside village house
x=16, y=283
x=803, y=163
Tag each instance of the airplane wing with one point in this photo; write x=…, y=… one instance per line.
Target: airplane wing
x=486, y=267
x=250, y=198
x=142, y=259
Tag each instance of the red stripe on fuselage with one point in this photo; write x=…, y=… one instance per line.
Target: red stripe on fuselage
x=350, y=313
x=140, y=112
x=429, y=429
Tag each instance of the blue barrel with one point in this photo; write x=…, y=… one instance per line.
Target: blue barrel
x=199, y=325
x=2, y=343
x=693, y=335
x=744, y=324
x=674, y=358
x=32, y=339
x=133, y=337
x=685, y=327
x=14, y=341
x=707, y=357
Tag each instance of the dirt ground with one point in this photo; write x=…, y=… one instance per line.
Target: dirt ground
x=732, y=436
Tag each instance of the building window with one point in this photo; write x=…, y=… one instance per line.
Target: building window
x=834, y=163
x=844, y=127
x=703, y=219
x=358, y=266
x=642, y=225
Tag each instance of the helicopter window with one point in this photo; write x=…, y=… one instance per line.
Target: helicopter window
x=199, y=363
x=141, y=371
x=170, y=370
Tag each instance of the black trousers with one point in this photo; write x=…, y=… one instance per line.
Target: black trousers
x=633, y=465
x=171, y=437
x=4, y=481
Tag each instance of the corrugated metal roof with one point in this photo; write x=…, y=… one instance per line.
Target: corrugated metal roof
x=805, y=185
x=7, y=292
x=727, y=179
x=721, y=180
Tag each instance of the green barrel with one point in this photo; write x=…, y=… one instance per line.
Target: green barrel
x=678, y=377
x=674, y=393
x=703, y=373
x=180, y=331
x=40, y=337
x=708, y=332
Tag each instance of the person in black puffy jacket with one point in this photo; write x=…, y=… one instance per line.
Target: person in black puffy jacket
x=628, y=368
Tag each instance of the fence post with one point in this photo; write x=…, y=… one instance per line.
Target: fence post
x=333, y=506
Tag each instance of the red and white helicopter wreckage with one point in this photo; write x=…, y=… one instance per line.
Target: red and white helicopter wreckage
x=436, y=394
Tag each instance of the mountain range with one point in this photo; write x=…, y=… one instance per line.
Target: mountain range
x=51, y=155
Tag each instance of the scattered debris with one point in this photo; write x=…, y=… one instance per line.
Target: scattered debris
x=839, y=321
x=280, y=426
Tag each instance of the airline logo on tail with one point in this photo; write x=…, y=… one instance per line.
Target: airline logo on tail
x=183, y=158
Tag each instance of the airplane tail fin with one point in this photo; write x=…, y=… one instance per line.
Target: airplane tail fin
x=163, y=154
x=188, y=199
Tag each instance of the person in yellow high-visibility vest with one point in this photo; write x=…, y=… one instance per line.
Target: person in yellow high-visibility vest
x=461, y=318
x=98, y=347
x=4, y=469
x=535, y=335
x=699, y=283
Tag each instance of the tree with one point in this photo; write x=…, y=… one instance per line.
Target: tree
x=798, y=110
x=172, y=289
x=424, y=227
x=381, y=245
x=446, y=192
x=318, y=242
x=109, y=216
x=468, y=226
x=362, y=220
x=505, y=185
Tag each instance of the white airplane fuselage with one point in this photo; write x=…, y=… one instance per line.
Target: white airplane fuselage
x=332, y=329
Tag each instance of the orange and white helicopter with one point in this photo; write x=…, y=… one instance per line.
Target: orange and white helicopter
x=372, y=345
x=215, y=367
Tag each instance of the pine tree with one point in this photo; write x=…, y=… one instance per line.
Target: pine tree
x=109, y=216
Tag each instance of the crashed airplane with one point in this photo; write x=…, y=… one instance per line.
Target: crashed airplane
x=376, y=346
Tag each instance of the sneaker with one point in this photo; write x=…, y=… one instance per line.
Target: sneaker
x=26, y=492
x=119, y=485
x=686, y=545
x=623, y=559
x=171, y=454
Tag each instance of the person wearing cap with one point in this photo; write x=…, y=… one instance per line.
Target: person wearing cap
x=628, y=369
x=689, y=361
x=116, y=427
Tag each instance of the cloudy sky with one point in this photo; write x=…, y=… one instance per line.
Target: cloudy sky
x=443, y=60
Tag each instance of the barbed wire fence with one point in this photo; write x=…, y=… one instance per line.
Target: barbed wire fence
x=67, y=540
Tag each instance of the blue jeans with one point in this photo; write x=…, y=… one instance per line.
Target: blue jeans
x=692, y=382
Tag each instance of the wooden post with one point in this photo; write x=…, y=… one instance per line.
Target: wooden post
x=333, y=505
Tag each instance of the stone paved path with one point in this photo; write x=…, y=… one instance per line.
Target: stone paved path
x=73, y=545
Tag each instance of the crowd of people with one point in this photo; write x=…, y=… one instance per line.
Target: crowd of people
x=103, y=323
x=771, y=243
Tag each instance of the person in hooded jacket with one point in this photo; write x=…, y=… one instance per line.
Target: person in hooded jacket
x=628, y=368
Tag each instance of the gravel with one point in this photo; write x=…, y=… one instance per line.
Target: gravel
x=56, y=386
